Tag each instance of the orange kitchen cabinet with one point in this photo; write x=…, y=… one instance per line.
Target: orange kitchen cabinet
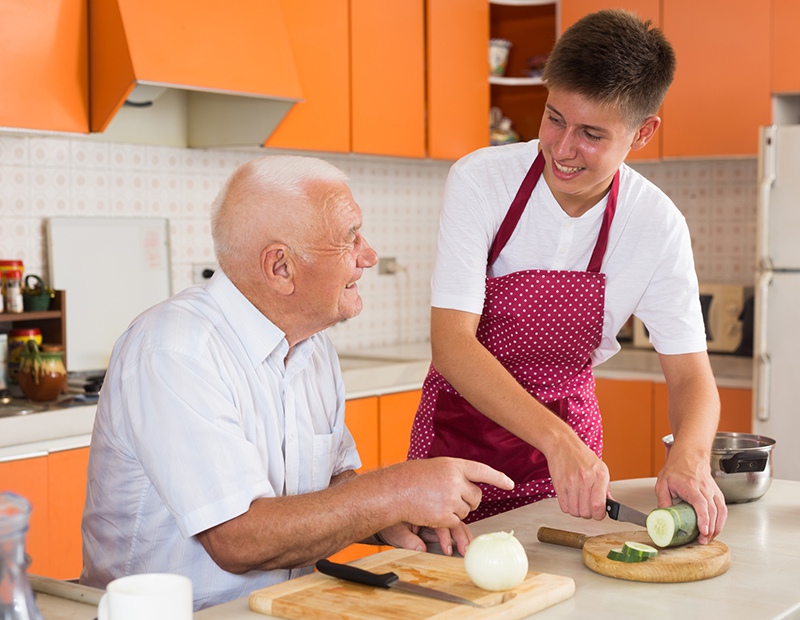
x=387, y=61
x=396, y=415
x=27, y=476
x=573, y=10
x=785, y=46
x=66, y=491
x=44, y=74
x=627, y=411
x=319, y=32
x=721, y=92
x=736, y=410
x=361, y=417
x=457, y=34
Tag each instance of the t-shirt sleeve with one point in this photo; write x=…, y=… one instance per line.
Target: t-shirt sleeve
x=670, y=305
x=466, y=231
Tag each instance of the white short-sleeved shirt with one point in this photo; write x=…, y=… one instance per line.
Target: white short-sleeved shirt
x=648, y=264
x=201, y=413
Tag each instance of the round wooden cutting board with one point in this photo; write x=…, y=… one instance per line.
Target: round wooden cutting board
x=691, y=562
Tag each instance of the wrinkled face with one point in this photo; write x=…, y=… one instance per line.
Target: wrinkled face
x=584, y=144
x=334, y=257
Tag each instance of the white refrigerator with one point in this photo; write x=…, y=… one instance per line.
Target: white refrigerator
x=776, y=345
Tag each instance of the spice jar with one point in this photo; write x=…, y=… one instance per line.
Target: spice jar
x=16, y=343
x=13, y=291
x=42, y=374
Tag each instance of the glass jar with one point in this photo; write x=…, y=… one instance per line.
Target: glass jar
x=42, y=374
x=17, y=338
x=16, y=596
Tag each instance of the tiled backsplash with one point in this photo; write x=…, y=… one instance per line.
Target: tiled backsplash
x=42, y=177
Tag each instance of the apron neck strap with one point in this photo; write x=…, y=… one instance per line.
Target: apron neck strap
x=602, y=239
x=517, y=207
x=521, y=200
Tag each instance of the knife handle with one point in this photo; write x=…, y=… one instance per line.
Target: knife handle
x=356, y=575
x=561, y=537
x=612, y=508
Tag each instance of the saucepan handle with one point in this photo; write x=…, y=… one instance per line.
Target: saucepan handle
x=561, y=537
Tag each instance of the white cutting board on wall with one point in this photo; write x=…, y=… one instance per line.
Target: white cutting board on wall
x=111, y=269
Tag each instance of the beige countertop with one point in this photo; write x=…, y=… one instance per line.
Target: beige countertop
x=761, y=583
x=367, y=372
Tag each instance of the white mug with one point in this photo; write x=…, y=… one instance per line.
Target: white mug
x=154, y=596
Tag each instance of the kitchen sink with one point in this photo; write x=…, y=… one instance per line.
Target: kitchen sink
x=19, y=407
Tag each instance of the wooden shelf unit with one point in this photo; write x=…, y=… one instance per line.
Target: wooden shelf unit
x=52, y=322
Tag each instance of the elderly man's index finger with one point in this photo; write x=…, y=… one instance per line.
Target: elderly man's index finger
x=480, y=472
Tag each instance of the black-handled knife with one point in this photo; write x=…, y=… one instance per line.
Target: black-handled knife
x=386, y=580
x=621, y=512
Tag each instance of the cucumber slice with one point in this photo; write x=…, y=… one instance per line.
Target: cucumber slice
x=673, y=526
x=618, y=555
x=639, y=550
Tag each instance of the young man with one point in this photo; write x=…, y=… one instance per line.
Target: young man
x=528, y=297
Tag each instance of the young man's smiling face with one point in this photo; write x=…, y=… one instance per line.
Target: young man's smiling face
x=584, y=143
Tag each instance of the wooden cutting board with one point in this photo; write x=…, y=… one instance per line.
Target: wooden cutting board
x=320, y=596
x=691, y=562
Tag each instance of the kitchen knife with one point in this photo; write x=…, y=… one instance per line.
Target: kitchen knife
x=621, y=512
x=387, y=580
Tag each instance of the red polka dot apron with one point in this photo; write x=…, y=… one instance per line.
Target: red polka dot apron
x=542, y=325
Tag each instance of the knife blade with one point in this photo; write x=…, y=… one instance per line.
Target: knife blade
x=387, y=580
x=621, y=512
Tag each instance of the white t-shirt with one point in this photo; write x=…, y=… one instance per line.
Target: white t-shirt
x=201, y=413
x=648, y=264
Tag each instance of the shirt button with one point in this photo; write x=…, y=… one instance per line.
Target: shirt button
x=290, y=438
x=568, y=223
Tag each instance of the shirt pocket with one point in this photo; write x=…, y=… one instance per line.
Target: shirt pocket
x=326, y=455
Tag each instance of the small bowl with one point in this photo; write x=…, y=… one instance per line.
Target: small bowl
x=741, y=465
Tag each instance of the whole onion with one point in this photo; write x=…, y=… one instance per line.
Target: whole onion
x=496, y=561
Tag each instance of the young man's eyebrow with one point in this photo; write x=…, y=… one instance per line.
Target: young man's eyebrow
x=590, y=127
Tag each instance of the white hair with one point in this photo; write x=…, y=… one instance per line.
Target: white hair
x=254, y=188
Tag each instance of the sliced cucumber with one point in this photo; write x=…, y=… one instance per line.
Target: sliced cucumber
x=618, y=555
x=673, y=526
x=639, y=550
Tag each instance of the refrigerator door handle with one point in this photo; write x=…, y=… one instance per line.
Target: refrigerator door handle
x=763, y=366
x=767, y=174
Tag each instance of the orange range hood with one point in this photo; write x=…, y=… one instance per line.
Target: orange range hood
x=225, y=68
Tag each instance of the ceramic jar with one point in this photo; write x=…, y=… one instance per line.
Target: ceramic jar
x=42, y=374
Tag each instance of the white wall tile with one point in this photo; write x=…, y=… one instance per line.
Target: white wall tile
x=41, y=177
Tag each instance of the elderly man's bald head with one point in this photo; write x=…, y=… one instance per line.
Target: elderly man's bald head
x=267, y=200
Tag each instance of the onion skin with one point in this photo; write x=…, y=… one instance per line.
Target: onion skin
x=496, y=561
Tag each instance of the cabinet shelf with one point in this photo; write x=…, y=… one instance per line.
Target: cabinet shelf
x=523, y=2
x=515, y=81
x=52, y=322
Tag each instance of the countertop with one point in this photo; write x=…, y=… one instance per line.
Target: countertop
x=761, y=583
x=366, y=372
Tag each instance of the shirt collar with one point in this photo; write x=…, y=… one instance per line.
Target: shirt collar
x=259, y=336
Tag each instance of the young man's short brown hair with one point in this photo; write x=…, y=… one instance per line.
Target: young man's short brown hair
x=614, y=58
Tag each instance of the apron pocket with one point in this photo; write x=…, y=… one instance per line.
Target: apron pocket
x=461, y=431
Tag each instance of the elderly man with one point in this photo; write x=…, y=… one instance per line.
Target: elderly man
x=219, y=449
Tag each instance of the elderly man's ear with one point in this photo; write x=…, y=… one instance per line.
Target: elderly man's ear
x=278, y=269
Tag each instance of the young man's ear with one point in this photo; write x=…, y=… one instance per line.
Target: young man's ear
x=277, y=268
x=645, y=132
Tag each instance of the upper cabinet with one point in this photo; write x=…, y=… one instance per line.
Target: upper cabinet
x=457, y=34
x=531, y=28
x=721, y=92
x=785, y=46
x=44, y=74
x=362, y=70
x=321, y=120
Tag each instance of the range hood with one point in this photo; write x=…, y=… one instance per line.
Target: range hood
x=202, y=73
